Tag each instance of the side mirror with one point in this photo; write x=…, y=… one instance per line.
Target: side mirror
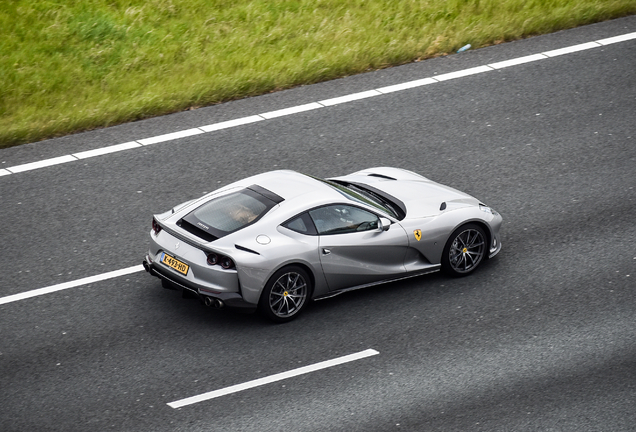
x=384, y=224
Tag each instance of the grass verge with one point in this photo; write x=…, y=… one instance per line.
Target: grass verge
x=72, y=65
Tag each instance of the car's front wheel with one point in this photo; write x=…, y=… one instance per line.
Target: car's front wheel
x=465, y=250
x=286, y=294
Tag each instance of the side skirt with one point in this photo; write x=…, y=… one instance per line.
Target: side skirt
x=357, y=287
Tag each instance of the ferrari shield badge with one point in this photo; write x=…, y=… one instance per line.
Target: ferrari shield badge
x=418, y=234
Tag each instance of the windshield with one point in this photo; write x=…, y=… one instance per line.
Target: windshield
x=365, y=196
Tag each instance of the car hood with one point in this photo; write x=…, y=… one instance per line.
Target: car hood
x=421, y=197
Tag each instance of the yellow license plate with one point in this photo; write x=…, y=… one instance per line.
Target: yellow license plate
x=175, y=264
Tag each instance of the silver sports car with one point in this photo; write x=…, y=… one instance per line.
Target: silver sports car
x=276, y=240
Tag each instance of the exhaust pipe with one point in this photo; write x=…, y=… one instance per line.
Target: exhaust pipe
x=146, y=266
x=212, y=302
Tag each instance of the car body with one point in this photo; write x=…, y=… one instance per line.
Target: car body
x=276, y=240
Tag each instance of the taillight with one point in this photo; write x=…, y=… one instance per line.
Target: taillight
x=155, y=226
x=222, y=260
x=213, y=258
x=227, y=263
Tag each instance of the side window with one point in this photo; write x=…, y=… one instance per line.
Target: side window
x=342, y=218
x=301, y=224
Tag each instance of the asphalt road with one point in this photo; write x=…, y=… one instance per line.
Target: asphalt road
x=543, y=337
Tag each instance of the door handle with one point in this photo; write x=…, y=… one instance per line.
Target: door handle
x=326, y=251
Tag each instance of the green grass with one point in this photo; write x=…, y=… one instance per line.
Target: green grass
x=72, y=65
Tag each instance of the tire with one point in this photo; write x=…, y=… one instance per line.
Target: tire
x=464, y=250
x=286, y=294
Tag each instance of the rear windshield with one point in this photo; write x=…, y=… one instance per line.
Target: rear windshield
x=227, y=214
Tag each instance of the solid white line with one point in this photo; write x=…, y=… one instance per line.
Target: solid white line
x=273, y=378
x=231, y=123
x=71, y=284
x=106, y=150
x=517, y=61
x=571, y=49
x=291, y=110
x=615, y=39
x=407, y=85
x=315, y=105
x=349, y=98
x=170, y=136
x=41, y=164
x=463, y=73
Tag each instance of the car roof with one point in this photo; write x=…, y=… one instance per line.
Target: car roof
x=290, y=185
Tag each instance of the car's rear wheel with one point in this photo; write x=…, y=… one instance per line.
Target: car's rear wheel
x=464, y=250
x=286, y=294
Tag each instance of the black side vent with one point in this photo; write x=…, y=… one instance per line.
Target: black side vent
x=442, y=207
x=193, y=229
x=381, y=176
x=243, y=248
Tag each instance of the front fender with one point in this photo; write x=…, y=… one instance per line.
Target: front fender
x=436, y=230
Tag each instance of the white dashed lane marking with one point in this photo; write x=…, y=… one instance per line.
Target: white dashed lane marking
x=273, y=378
x=71, y=284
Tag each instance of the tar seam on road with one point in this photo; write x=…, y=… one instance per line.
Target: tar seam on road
x=314, y=105
x=273, y=378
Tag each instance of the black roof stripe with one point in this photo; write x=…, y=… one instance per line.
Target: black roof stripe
x=266, y=193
